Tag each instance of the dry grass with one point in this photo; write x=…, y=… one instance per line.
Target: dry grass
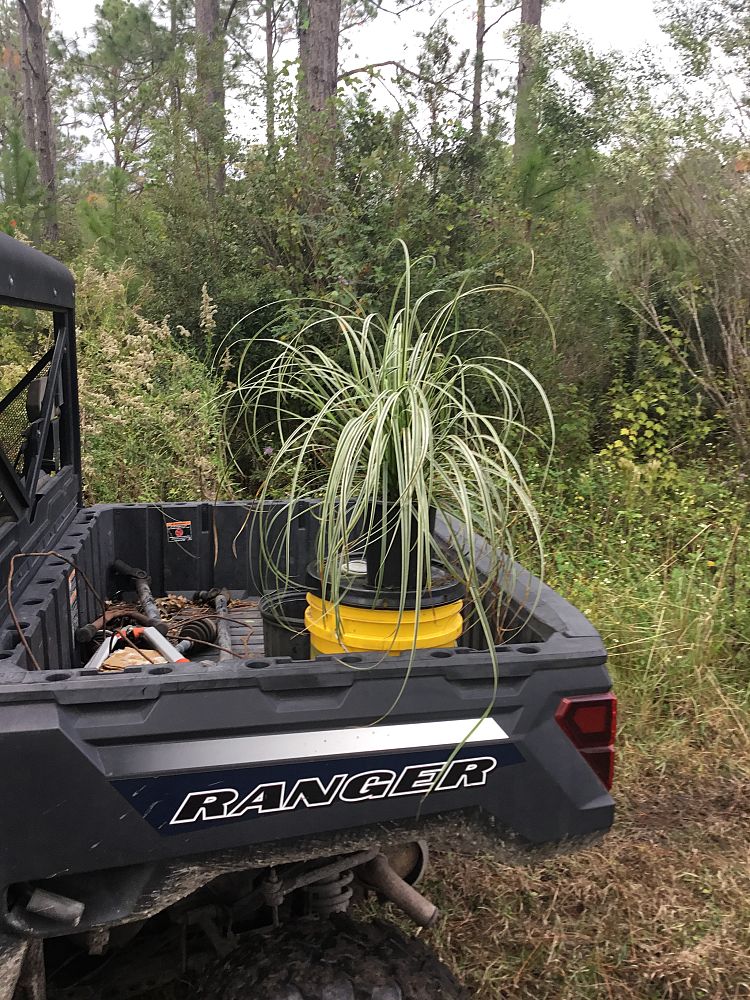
x=660, y=909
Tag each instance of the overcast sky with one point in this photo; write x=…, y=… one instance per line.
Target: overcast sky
x=626, y=25
x=623, y=24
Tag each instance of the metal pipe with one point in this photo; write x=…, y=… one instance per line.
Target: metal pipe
x=141, y=581
x=378, y=874
x=146, y=600
x=107, y=648
x=219, y=599
x=87, y=633
x=224, y=636
x=157, y=641
x=409, y=861
x=53, y=906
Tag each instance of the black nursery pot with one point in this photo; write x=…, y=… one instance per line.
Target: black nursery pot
x=284, y=631
x=383, y=555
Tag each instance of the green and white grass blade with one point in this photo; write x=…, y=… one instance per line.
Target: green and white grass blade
x=390, y=415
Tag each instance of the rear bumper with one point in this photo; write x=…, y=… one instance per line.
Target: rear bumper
x=125, y=785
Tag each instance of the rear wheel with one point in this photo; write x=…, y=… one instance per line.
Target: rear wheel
x=333, y=959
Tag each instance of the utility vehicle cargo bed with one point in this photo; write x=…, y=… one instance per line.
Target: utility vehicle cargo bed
x=262, y=756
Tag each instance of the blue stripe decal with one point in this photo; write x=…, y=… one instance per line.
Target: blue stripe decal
x=329, y=793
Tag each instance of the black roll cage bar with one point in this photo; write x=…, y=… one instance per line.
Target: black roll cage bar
x=33, y=280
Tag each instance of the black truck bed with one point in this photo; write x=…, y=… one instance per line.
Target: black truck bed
x=187, y=767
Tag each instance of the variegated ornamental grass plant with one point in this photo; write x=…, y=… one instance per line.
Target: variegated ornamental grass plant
x=383, y=428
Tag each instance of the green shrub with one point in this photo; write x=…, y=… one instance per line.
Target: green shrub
x=151, y=424
x=17, y=333
x=656, y=416
x=659, y=566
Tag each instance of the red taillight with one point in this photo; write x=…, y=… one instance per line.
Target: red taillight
x=590, y=722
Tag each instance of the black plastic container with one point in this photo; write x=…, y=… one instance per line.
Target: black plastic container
x=284, y=632
x=356, y=590
x=384, y=556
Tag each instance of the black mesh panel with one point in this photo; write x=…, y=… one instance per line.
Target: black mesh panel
x=14, y=424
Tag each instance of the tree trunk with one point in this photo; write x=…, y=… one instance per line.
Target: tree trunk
x=318, y=26
x=116, y=134
x=176, y=83
x=211, y=124
x=29, y=117
x=527, y=125
x=175, y=97
x=476, y=102
x=270, y=81
x=36, y=57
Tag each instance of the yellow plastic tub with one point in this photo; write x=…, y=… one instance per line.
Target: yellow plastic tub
x=366, y=630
